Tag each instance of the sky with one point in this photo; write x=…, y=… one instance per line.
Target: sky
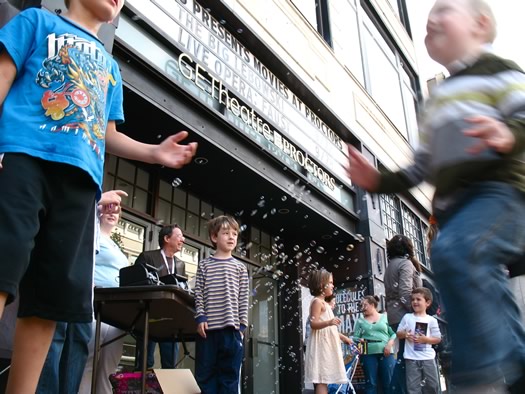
x=509, y=41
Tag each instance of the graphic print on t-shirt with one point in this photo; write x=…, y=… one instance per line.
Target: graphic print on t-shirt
x=76, y=75
x=421, y=329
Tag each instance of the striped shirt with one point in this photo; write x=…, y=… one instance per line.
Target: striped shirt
x=492, y=87
x=221, y=293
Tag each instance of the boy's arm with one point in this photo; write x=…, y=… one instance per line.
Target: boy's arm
x=243, y=299
x=435, y=333
x=7, y=74
x=200, y=313
x=168, y=153
x=507, y=136
x=499, y=136
x=366, y=176
x=402, y=329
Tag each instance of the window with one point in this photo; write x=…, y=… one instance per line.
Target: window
x=121, y=174
x=388, y=80
x=260, y=247
x=398, y=218
x=410, y=99
x=346, y=42
x=413, y=229
x=394, y=5
x=390, y=215
x=316, y=12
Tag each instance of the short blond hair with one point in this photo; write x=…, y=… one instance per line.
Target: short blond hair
x=482, y=7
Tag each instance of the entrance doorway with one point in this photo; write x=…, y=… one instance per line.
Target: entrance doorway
x=263, y=351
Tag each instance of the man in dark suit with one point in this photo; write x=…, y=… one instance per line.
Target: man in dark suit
x=171, y=241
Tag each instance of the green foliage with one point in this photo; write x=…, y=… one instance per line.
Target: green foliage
x=117, y=238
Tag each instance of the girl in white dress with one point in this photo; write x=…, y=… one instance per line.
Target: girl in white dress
x=324, y=357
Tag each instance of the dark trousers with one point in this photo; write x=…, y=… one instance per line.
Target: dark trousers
x=168, y=354
x=4, y=363
x=398, y=384
x=218, y=361
x=66, y=359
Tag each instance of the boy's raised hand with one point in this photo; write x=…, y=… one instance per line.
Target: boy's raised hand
x=360, y=171
x=492, y=133
x=171, y=154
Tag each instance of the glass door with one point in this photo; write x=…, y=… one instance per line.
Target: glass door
x=262, y=353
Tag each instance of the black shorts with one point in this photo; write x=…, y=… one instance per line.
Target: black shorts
x=47, y=220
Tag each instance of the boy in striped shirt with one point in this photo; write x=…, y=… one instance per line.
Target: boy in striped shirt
x=221, y=303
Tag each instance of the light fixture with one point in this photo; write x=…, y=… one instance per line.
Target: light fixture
x=200, y=161
x=283, y=211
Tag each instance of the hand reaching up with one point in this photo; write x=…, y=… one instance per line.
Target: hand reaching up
x=171, y=154
x=110, y=201
x=360, y=171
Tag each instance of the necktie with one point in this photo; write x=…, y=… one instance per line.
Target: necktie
x=171, y=268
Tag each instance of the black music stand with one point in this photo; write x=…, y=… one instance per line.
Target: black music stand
x=185, y=354
x=157, y=312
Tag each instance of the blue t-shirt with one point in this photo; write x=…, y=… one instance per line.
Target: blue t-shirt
x=108, y=263
x=66, y=89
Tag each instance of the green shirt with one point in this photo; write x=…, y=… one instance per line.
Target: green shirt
x=379, y=331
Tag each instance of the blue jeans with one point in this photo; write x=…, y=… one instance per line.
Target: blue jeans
x=218, y=359
x=66, y=359
x=378, y=367
x=169, y=352
x=484, y=232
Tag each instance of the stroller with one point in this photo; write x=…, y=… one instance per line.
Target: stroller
x=351, y=359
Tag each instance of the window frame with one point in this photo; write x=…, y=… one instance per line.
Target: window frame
x=399, y=64
x=415, y=231
x=322, y=14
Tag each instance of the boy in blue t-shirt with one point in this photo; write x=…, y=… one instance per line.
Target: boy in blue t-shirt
x=62, y=97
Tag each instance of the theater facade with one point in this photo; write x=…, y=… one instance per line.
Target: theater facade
x=273, y=91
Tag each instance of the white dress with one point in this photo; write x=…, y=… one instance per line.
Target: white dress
x=324, y=357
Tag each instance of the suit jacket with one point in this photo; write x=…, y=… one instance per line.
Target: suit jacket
x=155, y=258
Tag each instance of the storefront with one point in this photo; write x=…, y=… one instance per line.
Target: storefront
x=264, y=156
x=268, y=155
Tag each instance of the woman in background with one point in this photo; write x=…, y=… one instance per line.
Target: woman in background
x=108, y=263
x=401, y=277
x=378, y=360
